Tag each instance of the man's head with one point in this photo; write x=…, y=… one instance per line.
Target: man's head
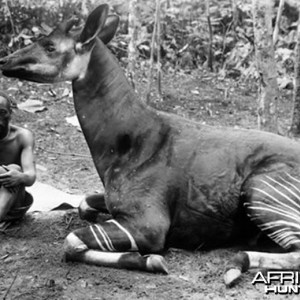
x=5, y=114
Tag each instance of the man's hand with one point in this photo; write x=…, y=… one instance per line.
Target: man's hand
x=11, y=179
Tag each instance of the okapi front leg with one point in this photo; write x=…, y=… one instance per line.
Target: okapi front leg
x=110, y=244
x=92, y=206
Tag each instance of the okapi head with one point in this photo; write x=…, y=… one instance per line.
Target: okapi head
x=62, y=55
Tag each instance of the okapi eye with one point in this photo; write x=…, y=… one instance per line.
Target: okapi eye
x=50, y=48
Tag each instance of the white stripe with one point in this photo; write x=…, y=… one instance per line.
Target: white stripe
x=273, y=211
x=292, y=185
x=108, y=239
x=282, y=204
x=102, y=233
x=286, y=241
x=284, y=238
x=282, y=234
x=284, y=187
x=273, y=207
x=295, y=242
x=283, y=223
x=277, y=232
x=280, y=193
x=271, y=225
x=97, y=240
x=132, y=241
x=292, y=177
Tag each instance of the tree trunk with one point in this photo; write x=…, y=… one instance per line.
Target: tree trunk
x=295, y=127
x=156, y=28
x=168, y=4
x=235, y=14
x=210, y=51
x=11, y=21
x=133, y=26
x=158, y=32
x=276, y=29
x=266, y=65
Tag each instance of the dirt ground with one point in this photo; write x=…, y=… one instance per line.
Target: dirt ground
x=31, y=251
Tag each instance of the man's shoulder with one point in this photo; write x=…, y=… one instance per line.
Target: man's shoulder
x=21, y=132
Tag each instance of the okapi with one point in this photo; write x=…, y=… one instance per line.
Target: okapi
x=169, y=181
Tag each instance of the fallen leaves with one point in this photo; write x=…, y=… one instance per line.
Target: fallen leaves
x=32, y=106
x=73, y=121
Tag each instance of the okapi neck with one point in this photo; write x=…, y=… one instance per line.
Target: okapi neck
x=114, y=121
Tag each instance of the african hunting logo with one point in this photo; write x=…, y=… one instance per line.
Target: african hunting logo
x=279, y=282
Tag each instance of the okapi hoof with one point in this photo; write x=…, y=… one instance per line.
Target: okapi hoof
x=73, y=247
x=156, y=264
x=237, y=266
x=232, y=276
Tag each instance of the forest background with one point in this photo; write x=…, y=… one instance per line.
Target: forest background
x=212, y=35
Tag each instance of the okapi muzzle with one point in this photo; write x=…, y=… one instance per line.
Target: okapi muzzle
x=169, y=181
x=46, y=61
x=23, y=65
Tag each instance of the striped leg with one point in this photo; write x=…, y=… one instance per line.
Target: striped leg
x=110, y=244
x=273, y=204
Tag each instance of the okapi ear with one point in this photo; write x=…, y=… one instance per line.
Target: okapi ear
x=109, y=29
x=93, y=26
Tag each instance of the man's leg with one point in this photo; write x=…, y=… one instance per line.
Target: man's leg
x=10, y=198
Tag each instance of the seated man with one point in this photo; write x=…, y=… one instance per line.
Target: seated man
x=17, y=167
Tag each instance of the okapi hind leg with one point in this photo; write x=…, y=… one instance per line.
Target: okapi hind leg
x=246, y=260
x=273, y=204
x=110, y=244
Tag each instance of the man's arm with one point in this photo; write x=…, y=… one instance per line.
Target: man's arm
x=27, y=158
x=27, y=175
